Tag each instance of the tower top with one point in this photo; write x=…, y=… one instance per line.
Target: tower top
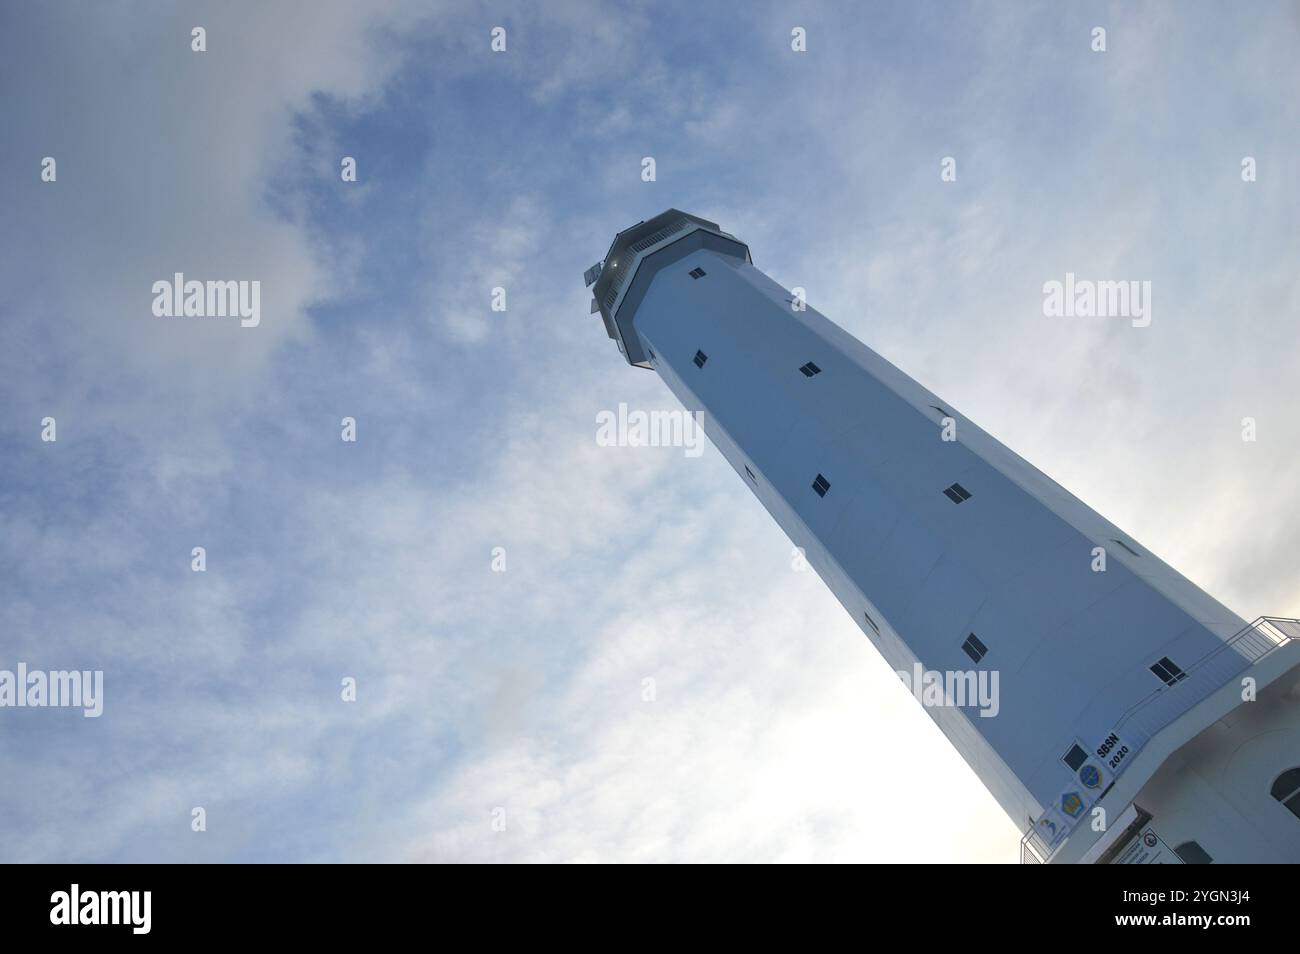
x=620, y=280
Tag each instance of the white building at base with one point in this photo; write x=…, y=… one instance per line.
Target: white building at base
x=1138, y=719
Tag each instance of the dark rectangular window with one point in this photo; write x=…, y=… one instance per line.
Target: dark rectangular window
x=1075, y=758
x=1167, y=671
x=975, y=649
x=810, y=369
x=697, y=273
x=821, y=485
x=700, y=358
x=1126, y=547
x=871, y=622
x=957, y=493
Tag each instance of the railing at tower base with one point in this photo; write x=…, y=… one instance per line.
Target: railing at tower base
x=1202, y=677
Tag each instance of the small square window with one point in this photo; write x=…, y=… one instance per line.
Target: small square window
x=697, y=273
x=700, y=358
x=975, y=649
x=1075, y=758
x=821, y=485
x=1167, y=671
x=957, y=493
x=810, y=369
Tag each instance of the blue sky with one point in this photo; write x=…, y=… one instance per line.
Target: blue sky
x=777, y=733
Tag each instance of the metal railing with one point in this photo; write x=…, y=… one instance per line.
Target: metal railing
x=1203, y=676
x=1148, y=716
x=636, y=248
x=1033, y=850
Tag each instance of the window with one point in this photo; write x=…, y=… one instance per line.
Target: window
x=1075, y=757
x=1193, y=854
x=940, y=410
x=750, y=473
x=1126, y=547
x=821, y=485
x=1287, y=790
x=810, y=369
x=975, y=649
x=957, y=493
x=700, y=358
x=697, y=273
x=871, y=622
x=1167, y=671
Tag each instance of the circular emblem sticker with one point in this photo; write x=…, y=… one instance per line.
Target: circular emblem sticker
x=1090, y=776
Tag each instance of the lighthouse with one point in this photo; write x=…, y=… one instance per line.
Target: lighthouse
x=1117, y=712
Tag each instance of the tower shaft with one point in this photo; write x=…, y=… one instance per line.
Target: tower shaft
x=1074, y=662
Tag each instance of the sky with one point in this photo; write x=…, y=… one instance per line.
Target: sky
x=502, y=716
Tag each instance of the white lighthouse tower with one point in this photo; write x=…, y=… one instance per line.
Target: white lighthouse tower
x=1136, y=719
